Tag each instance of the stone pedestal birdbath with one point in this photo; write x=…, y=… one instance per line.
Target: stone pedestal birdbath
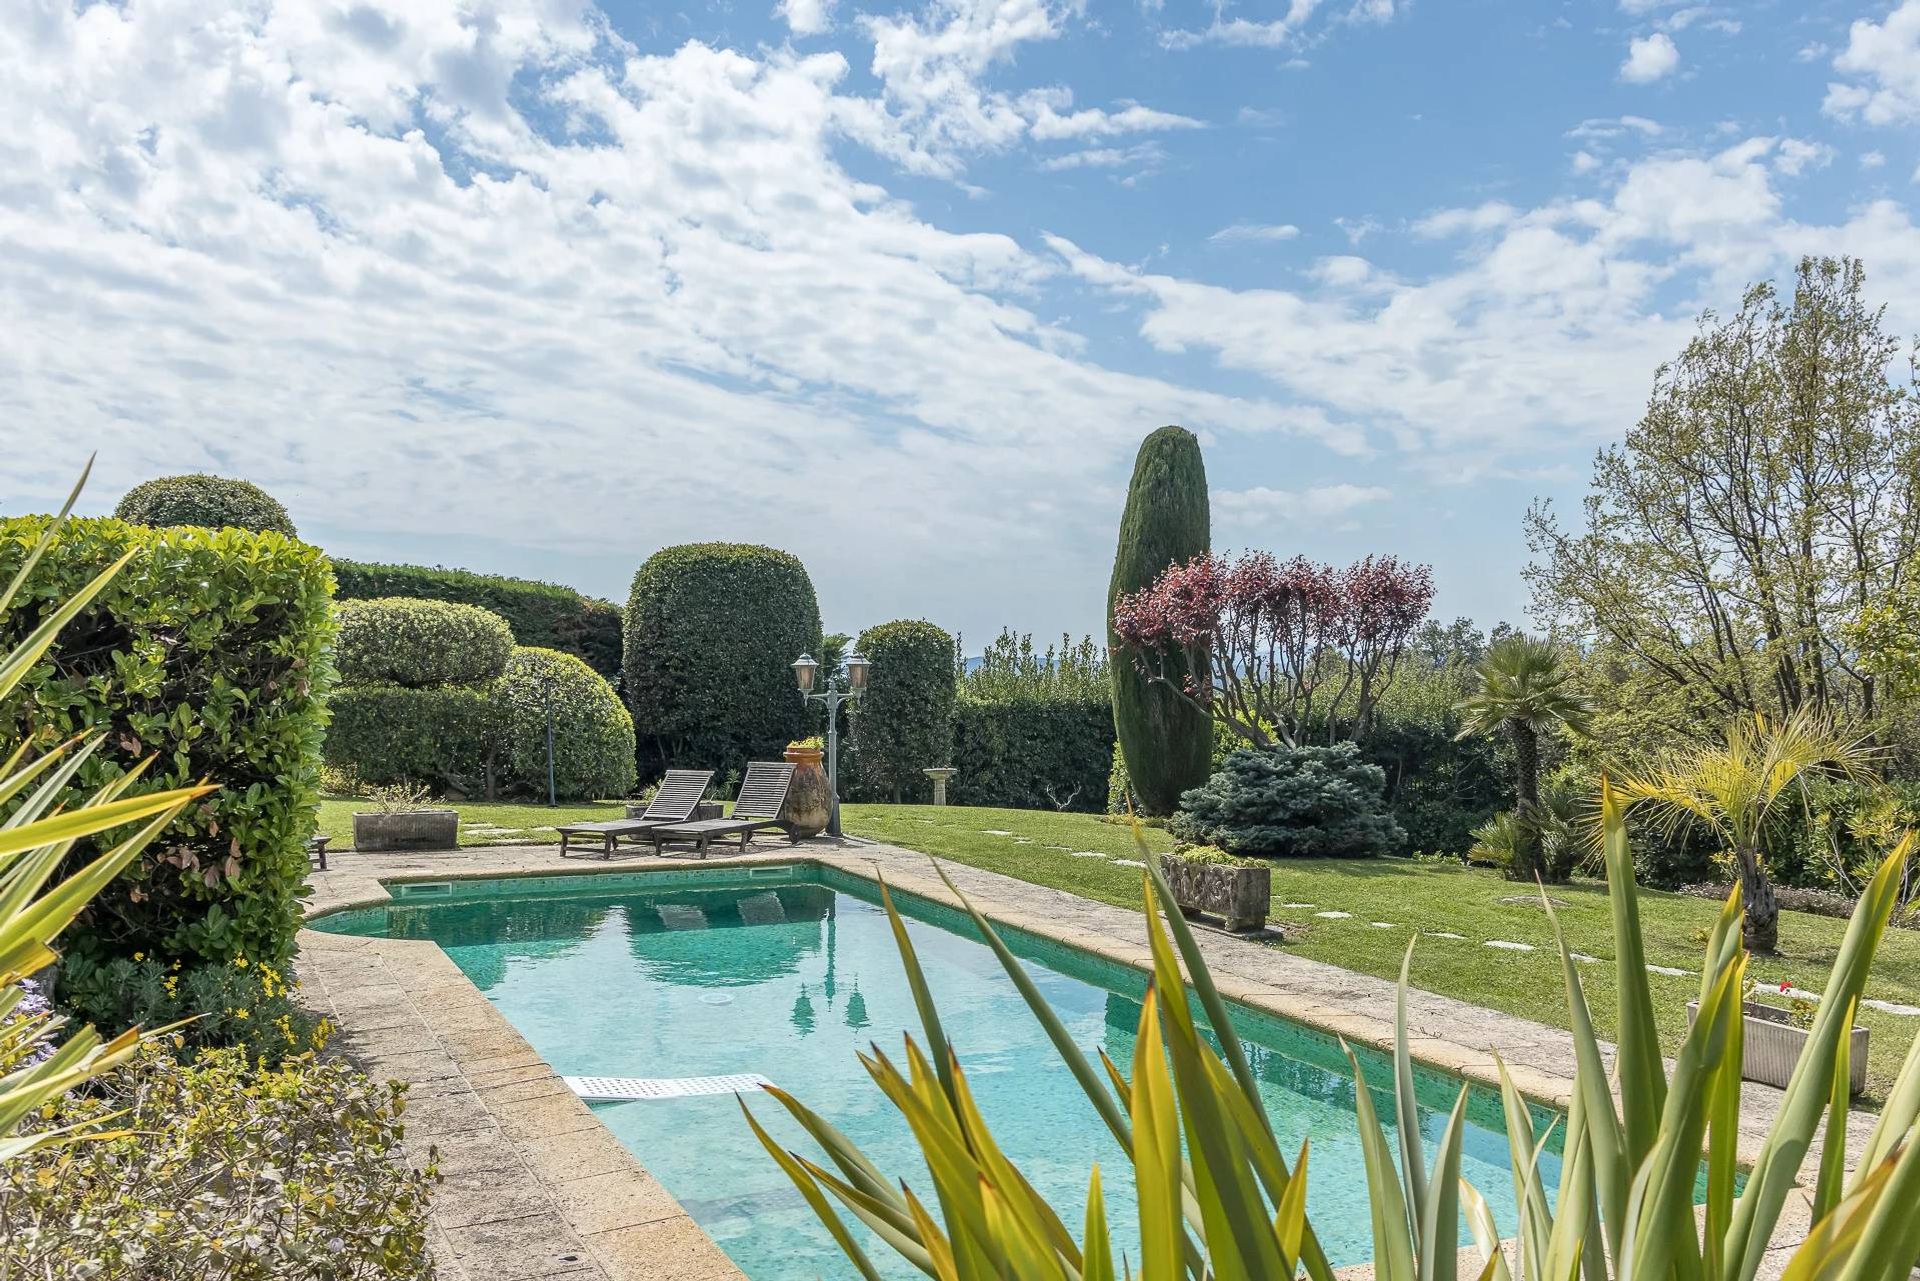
x=940, y=777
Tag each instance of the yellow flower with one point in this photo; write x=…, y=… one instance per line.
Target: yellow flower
x=139, y=956
x=239, y=1014
x=239, y=962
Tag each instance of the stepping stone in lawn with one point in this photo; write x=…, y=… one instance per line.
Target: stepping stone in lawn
x=1889, y=1007
x=1669, y=971
x=1384, y=925
x=1506, y=945
x=1584, y=959
x=1022, y=840
x=993, y=831
x=1128, y=862
x=1296, y=906
x=1444, y=934
x=1086, y=854
x=1335, y=916
x=1531, y=900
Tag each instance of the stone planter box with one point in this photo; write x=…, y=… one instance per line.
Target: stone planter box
x=705, y=809
x=1234, y=898
x=1771, y=1043
x=410, y=830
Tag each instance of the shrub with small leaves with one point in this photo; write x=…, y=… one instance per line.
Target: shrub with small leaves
x=592, y=731
x=212, y=502
x=242, y=1003
x=419, y=643
x=1291, y=802
x=222, y=1170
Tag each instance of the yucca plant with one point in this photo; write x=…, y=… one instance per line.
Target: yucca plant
x=1735, y=787
x=1230, y=1205
x=34, y=839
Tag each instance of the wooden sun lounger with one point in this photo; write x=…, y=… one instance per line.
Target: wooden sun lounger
x=673, y=802
x=763, y=794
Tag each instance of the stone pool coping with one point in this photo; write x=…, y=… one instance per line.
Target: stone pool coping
x=537, y=1187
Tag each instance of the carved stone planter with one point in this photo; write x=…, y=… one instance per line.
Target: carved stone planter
x=809, y=798
x=411, y=830
x=1770, y=1044
x=1233, y=897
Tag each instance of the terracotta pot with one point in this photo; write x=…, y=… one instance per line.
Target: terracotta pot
x=809, y=799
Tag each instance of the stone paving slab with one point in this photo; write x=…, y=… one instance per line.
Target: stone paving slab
x=559, y=1142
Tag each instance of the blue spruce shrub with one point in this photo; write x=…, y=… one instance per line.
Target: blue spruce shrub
x=1291, y=802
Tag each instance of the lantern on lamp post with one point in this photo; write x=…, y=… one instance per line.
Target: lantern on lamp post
x=831, y=696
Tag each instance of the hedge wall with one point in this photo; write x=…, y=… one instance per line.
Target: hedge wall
x=904, y=722
x=712, y=629
x=545, y=615
x=419, y=643
x=444, y=738
x=210, y=651
x=1032, y=754
x=592, y=732
x=212, y=502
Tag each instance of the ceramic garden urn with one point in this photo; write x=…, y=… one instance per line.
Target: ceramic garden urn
x=809, y=799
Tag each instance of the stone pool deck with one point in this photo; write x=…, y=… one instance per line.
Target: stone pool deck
x=536, y=1187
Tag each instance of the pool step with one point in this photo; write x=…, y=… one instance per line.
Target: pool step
x=618, y=1089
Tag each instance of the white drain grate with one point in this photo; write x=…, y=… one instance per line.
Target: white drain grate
x=622, y=1088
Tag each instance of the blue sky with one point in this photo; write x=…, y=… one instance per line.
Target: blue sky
x=538, y=287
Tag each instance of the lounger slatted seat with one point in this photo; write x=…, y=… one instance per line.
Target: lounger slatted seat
x=673, y=802
x=763, y=794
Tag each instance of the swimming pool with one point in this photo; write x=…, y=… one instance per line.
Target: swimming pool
x=788, y=971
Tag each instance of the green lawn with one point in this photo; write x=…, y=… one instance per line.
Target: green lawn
x=1427, y=896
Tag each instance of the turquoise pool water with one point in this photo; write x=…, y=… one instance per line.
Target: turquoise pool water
x=697, y=974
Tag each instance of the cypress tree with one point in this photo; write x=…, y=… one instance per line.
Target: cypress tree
x=1167, y=744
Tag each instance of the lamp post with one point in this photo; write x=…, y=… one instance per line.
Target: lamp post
x=804, y=669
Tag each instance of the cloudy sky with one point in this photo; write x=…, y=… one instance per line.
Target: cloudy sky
x=538, y=287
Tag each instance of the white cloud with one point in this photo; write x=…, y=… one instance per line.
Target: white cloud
x=1252, y=509
x=1603, y=128
x=1887, y=56
x=332, y=251
x=1142, y=155
x=807, y=17
x=1649, y=58
x=1491, y=216
x=1872, y=159
x=1243, y=232
x=1287, y=30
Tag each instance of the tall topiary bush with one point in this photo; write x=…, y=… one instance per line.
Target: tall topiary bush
x=1292, y=802
x=210, y=650
x=419, y=642
x=444, y=738
x=1165, y=741
x=1032, y=753
x=592, y=732
x=904, y=722
x=211, y=502
x=544, y=615
x=712, y=629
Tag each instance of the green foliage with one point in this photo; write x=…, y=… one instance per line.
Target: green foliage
x=445, y=737
x=1301, y=802
x=402, y=641
x=252, y=1007
x=1032, y=753
x=210, y=650
x=904, y=722
x=210, y=502
x=1555, y=832
x=1167, y=741
x=592, y=732
x=1010, y=669
x=1218, y=1197
x=544, y=615
x=711, y=630
x=1213, y=855
x=221, y=1170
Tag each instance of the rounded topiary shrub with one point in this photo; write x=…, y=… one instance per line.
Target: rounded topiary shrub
x=1291, y=802
x=444, y=737
x=215, y=502
x=592, y=732
x=419, y=643
x=712, y=631
x=904, y=722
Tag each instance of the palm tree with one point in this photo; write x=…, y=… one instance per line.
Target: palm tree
x=1733, y=790
x=1523, y=690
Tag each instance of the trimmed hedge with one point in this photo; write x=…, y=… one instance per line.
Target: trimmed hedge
x=444, y=737
x=1291, y=802
x=543, y=615
x=592, y=732
x=1032, y=754
x=209, y=502
x=419, y=643
x=712, y=629
x=211, y=652
x=904, y=722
